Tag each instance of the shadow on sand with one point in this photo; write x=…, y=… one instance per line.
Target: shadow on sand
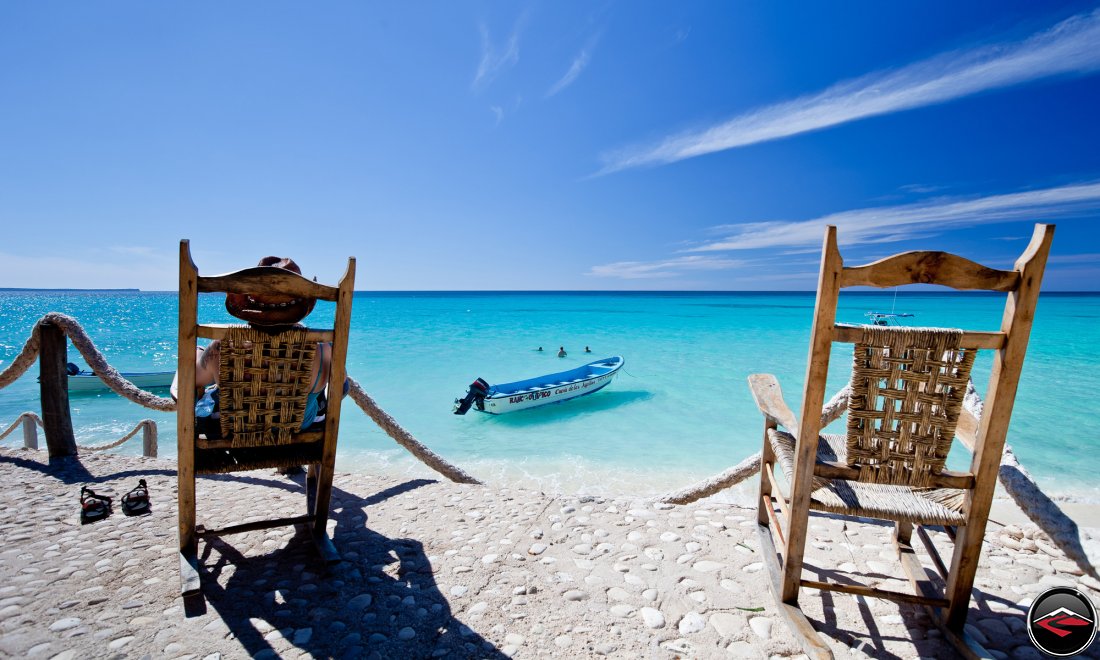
x=380, y=601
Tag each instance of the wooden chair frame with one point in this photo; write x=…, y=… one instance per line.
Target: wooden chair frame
x=257, y=280
x=784, y=552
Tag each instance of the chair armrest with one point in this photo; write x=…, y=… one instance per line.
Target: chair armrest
x=769, y=399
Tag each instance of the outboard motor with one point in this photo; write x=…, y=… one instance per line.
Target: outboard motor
x=474, y=396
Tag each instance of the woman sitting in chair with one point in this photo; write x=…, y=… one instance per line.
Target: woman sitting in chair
x=271, y=313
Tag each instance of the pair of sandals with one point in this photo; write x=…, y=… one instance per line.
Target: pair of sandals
x=95, y=507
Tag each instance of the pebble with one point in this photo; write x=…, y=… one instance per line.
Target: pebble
x=359, y=603
x=692, y=622
x=673, y=569
x=707, y=566
x=622, y=610
x=726, y=624
x=653, y=617
x=65, y=624
x=762, y=626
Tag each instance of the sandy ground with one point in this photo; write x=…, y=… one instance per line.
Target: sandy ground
x=434, y=569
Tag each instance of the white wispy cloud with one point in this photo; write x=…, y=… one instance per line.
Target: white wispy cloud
x=575, y=69
x=135, y=250
x=1068, y=48
x=1084, y=258
x=895, y=223
x=634, y=270
x=494, y=60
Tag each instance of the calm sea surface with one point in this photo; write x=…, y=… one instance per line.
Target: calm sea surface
x=679, y=411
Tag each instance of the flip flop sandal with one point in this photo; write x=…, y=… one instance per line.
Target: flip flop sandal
x=93, y=507
x=136, y=502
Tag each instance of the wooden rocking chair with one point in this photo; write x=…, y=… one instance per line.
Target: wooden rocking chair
x=903, y=411
x=264, y=380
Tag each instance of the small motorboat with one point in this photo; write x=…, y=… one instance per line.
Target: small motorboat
x=887, y=318
x=539, y=391
x=81, y=380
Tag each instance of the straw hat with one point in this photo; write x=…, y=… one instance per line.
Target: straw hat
x=270, y=309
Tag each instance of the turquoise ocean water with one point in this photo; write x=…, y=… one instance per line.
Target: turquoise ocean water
x=680, y=410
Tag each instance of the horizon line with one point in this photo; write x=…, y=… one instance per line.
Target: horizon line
x=925, y=288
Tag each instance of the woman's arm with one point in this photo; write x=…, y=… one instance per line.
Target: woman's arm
x=206, y=365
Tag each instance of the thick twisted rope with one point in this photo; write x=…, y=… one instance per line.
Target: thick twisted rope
x=35, y=419
x=125, y=388
x=19, y=421
x=1020, y=485
x=404, y=438
x=83, y=343
x=751, y=465
x=111, y=445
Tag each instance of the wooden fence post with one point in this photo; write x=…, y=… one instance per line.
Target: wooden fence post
x=30, y=432
x=54, y=389
x=149, y=438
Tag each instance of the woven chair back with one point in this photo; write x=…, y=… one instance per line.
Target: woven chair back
x=906, y=394
x=264, y=380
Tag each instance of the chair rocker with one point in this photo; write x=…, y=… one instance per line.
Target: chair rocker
x=904, y=408
x=264, y=378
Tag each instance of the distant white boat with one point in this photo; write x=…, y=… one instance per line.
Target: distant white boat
x=541, y=390
x=81, y=380
x=887, y=318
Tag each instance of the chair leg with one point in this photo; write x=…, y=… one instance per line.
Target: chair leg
x=311, y=488
x=318, y=496
x=960, y=581
x=797, y=622
x=188, y=560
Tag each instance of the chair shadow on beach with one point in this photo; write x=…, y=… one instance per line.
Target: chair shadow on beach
x=871, y=640
x=380, y=601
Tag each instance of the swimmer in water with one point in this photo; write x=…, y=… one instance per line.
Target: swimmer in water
x=561, y=351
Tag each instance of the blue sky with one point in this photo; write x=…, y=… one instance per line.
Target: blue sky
x=554, y=145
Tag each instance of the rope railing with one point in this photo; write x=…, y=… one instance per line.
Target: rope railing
x=751, y=465
x=1016, y=481
x=1021, y=487
x=87, y=348
x=404, y=438
x=123, y=387
x=31, y=422
x=149, y=439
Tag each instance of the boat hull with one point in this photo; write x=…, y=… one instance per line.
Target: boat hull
x=89, y=382
x=553, y=388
